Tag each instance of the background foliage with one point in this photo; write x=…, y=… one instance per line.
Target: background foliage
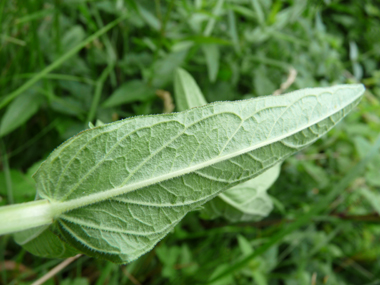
x=234, y=49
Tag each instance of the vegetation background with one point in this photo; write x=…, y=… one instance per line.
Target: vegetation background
x=53, y=82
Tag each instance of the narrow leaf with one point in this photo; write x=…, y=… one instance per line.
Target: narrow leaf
x=163, y=69
x=372, y=197
x=20, y=110
x=117, y=189
x=187, y=93
x=212, y=55
x=131, y=91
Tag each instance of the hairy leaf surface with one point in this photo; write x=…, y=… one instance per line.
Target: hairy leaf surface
x=243, y=202
x=119, y=188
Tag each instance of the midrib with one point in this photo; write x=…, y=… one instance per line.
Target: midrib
x=61, y=207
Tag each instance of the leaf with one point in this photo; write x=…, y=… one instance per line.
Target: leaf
x=148, y=17
x=187, y=93
x=42, y=242
x=20, y=110
x=22, y=185
x=372, y=197
x=73, y=37
x=131, y=91
x=212, y=55
x=163, y=69
x=117, y=189
x=233, y=31
x=247, y=201
x=244, y=202
x=259, y=11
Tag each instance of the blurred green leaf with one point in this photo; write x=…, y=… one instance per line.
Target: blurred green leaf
x=163, y=69
x=132, y=91
x=212, y=55
x=23, y=186
x=372, y=197
x=72, y=37
x=20, y=110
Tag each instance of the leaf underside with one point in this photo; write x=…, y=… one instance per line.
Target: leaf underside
x=244, y=202
x=124, y=186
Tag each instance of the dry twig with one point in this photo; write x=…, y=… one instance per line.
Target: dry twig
x=167, y=99
x=56, y=269
x=289, y=81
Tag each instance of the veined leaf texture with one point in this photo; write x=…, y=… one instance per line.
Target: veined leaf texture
x=247, y=201
x=120, y=188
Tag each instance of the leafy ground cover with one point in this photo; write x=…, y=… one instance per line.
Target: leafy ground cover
x=66, y=63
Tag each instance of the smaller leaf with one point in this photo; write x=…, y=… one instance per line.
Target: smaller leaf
x=212, y=55
x=163, y=69
x=248, y=201
x=20, y=110
x=23, y=186
x=372, y=197
x=73, y=37
x=42, y=242
x=233, y=31
x=132, y=91
x=68, y=106
x=187, y=93
x=244, y=245
x=149, y=17
x=259, y=11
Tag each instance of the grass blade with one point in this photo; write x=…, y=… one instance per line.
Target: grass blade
x=58, y=62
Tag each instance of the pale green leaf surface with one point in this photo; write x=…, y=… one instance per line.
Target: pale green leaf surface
x=187, y=93
x=247, y=201
x=244, y=202
x=119, y=188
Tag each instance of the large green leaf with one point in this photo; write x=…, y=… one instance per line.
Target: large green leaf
x=243, y=202
x=117, y=189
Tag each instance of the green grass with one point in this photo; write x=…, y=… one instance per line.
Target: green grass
x=73, y=55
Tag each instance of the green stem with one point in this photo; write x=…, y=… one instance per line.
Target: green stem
x=98, y=92
x=7, y=173
x=25, y=216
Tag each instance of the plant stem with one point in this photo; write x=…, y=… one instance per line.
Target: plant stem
x=8, y=179
x=25, y=216
x=98, y=92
